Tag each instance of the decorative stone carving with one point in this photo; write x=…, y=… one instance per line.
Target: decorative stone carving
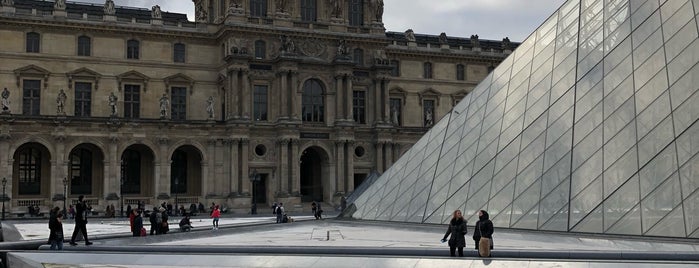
x=235, y=7
x=287, y=46
x=237, y=47
x=235, y=4
x=506, y=45
x=5, y=101
x=113, y=104
x=377, y=8
x=343, y=51
x=474, y=41
x=443, y=38
x=61, y=102
x=210, y=107
x=201, y=14
x=410, y=35
x=282, y=6
x=395, y=114
x=164, y=105
x=109, y=7
x=7, y=3
x=156, y=13
x=312, y=47
x=336, y=8
x=380, y=57
x=59, y=5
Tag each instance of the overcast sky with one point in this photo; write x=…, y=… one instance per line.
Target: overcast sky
x=490, y=19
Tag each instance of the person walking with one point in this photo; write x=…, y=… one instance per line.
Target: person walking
x=215, y=214
x=457, y=229
x=81, y=210
x=137, y=223
x=153, y=218
x=280, y=212
x=56, y=229
x=483, y=234
x=314, y=209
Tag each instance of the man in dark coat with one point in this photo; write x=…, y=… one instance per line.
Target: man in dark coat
x=484, y=228
x=457, y=229
x=137, y=223
x=81, y=210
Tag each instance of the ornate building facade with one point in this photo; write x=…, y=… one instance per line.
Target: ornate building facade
x=255, y=101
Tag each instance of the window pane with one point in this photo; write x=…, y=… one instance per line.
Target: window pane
x=84, y=46
x=260, y=103
x=132, y=101
x=356, y=12
x=31, y=97
x=179, y=103
x=179, y=53
x=359, y=106
x=83, y=99
x=33, y=42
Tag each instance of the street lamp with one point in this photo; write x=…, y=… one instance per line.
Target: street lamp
x=254, y=178
x=4, y=183
x=65, y=193
x=177, y=189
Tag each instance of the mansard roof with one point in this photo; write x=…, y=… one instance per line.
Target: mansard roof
x=433, y=40
x=98, y=10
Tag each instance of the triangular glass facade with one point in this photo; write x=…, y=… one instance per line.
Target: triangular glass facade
x=589, y=126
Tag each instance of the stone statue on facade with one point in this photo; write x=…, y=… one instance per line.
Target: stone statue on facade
x=474, y=41
x=113, y=104
x=164, y=105
x=235, y=4
x=394, y=115
x=61, y=102
x=336, y=8
x=443, y=39
x=342, y=49
x=7, y=3
x=109, y=7
x=287, y=45
x=201, y=13
x=210, y=107
x=281, y=6
x=380, y=57
x=5, y=101
x=428, y=117
x=410, y=35
x=156, y=13
x=235, y=7
x=377, y=6
x=59, y=5
x=506, y=45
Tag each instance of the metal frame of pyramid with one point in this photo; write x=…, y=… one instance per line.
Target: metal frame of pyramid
x=589, y=126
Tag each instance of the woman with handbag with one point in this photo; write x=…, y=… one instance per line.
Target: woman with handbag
x=483, y=234
x=457, y=229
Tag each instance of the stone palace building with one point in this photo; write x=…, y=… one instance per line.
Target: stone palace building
x=255, y=101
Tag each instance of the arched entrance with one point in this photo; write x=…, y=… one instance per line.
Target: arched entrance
x=86, y=170
x=137, y=171
x=313, y=162
x=31, y=171
x=185, y=171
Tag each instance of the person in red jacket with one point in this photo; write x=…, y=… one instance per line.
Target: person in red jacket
x=215, y=214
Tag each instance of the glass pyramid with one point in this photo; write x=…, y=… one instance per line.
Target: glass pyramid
x=589, y=126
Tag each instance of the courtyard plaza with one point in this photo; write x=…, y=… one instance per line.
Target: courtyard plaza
x=256, y=241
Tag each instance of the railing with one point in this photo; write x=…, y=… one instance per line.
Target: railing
x=29, y=202
x=187, y=200
x=88, y=201
x=134, y=201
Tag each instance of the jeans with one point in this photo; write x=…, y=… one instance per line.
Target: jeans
x=56, y=244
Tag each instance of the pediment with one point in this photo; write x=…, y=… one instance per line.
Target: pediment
x=397, y=91
x=32, y=71
x=179, y=79
x=430, y=93
x=132, y=75
x=84, y=72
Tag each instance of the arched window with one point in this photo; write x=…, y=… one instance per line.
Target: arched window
x=84, y=46
x=427, y=70
x=260, y=49
x=308, y=10
x=33, y=42
x=356, y=12
x=133, y=48
x=359, y=56
x=179, y=53
x=313, y=105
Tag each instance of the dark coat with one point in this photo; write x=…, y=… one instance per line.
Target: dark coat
x=56, y=229
x=484, y=227
x=457, y=229
x=81, y=209
x=137, y=225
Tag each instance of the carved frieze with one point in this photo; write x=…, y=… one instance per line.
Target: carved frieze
x=312, y=47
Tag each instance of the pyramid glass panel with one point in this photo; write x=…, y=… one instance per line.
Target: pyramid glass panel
x=589, y=126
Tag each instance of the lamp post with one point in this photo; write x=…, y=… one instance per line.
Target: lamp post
x=254, y=178
x=65, y=193
x=177, y=189
x=4, y=183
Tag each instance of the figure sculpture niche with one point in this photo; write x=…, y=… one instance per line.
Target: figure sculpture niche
x=59, y=5
x=428, y=117
x=443, y=38
x=281, y=6
x=61, y=102
x=164, y=105
x=210, y=107
x=474, y=41
x=287, y=44
x=113, y=104
x=109, y=7
x=336, y=11
x=377, y=6
x=410, y=35
x=5, y=101
x=156, y=13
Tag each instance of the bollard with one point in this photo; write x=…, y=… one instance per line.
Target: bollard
x=328, y=239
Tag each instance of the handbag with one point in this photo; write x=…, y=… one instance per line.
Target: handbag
x=143, y=231
x=484, y=244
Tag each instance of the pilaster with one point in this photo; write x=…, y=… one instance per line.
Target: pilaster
x=244, y=152
x=283, y=92
x=338, y=98
x=349, y=179
x=208, y=169
x=246, y=96
x=295, y=168
x=379, y=156
x=348, y=98
x=162, y=176
x=295, y=96
x=284, y=166
x=340, y=152
x=235, y=179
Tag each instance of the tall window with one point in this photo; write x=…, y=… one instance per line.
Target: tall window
x=131, y=172
x=222, y=8
x=83, y=99
x=460, y=72
x=260, y=49
x=359, y=56
x=211, y=11
x=258, y=8
x=33, y=42
x=356, y=12
x=313, y=106
x=132, y=49
x=427, y=70
x=178, y=53
x=308, y=10
x=428, y=112
x=132, y=101
x=179, y=172
x=359, y=106
x=29, y=171
x=395, y=70
x=396, y=111
x=260, y=103
x=84, y=46
x=178, y=105
x=31, y=97
x=81, y=171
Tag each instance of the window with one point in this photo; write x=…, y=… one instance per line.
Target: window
x=132, y=49
x=29, y=171
x=178, y=105
x=427, y=68
x=211, y=11
x=131, y=172
x=396, y=111
x=260, y=103
x=178, y=54
x=359, y=56
x=83, y=99
x=308, y=10
x=81, y=171
x=84, y=46
x=132, y=101
x=428, y=112
x=258, y=8
x=356, y=12
x=31, y=97
x=395, y=70
x=460, y=72
x=179, y=172
x=222, y=8
x=313, y=107
x=359, y=106
x=33, y=42
x=260, y=49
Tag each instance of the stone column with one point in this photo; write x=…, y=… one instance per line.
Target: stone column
x=244, y=170
x=338, y=98
x=295, y=169
x=6, y=165
x=295, y=96
x=61, y=167
x=284, y=162
x=378, y=107
x=349, y=179
x=209, y=180
x=112, y=169
x=389, y=155
x=379, y=156
x=246, y=98
x=235, y=179
x=219, y=176
x=348, y=98
x=340, y=151
x=162, y=182
x=385, y=101
x=233, y=88
x=282, y=95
